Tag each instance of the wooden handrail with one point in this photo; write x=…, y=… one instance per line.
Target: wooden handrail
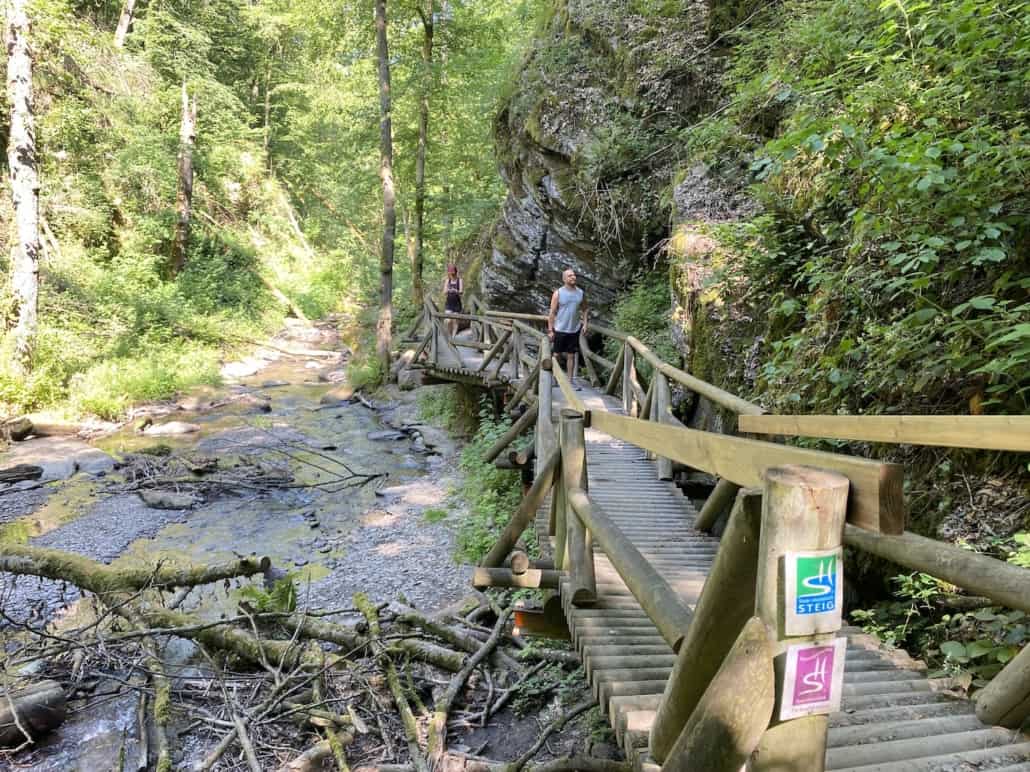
x=986, y=432
x=567, y=389
x=526, y=511
x=513, y=315
x=1004, y=583
x=714, y=393
x=607, y=331
x=661, y=603
x=527, y=329
x=876, y=501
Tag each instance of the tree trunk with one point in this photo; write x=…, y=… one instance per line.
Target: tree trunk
x=124, y=23
x=418, y=289
x=389, y=198
x=184, y=199
x=21, y=161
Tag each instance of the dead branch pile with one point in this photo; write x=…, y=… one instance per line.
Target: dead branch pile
x=265, y=688
x=209, y=477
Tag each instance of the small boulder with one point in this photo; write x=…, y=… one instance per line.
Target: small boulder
x=171, y=428
x=94, y=461
x=17, y=428
x=158, y=499
x=410, y=379
x=337, y=394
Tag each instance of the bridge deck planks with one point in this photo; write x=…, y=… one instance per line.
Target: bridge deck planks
x=893, y=719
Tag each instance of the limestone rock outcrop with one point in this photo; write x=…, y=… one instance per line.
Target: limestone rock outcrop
x=588, y=142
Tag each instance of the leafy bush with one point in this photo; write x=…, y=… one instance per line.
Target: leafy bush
x=438, y=405
x=492, y=494
x=109, y=387
x=645, y=313
x=971, y=645
x=892, y=256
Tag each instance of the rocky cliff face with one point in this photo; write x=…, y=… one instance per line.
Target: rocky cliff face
x=588, y=144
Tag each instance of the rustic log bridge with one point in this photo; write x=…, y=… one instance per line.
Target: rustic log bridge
x=641, y=595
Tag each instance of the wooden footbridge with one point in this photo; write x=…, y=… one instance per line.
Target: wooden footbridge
x=711, y=653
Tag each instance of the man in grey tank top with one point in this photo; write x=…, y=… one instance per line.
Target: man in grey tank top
x=567, y=319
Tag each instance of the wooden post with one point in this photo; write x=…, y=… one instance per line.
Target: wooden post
x=727, y=602
x=558, y=528
x=523, y=423
x=516, y=363
x=1006, y=700
x=629, y=374
x=579, y=549
x=528, y=383
x=803, y=510
x=720, y=498
x=546, y=441
x=494, y=350
x=734, y=710
x=616, y=373
x=523, y=517
x=663, y=408
x=584, y=348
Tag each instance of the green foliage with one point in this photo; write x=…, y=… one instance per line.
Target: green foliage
x=492, y=494
x=1020, y=554
x=645, y=313
x=109, y=387
x=892, y=255
x=438, y=405
x=535, y=692
x=973, y=645
x=286, y=187
x=435, y=515
x=282, y=597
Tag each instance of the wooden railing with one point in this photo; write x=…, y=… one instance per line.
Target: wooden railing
x=785, y=500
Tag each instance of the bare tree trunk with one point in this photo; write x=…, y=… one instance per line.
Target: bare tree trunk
x=124, y=23
x=184, y=199
x=385, y=322
x=268, y=114
x=21, y=161
x=418, y=289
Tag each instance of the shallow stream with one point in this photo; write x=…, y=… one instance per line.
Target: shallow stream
x=335, y=539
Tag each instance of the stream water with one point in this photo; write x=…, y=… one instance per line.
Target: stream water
x=335, y=540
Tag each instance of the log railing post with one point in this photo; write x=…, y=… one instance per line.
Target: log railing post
x=616, y=373
x=718, y=500
x=663, y=414
x=1005, y=701
x=516, y=361
x=733, y=711
x=579, y=551
x=546, y=441
x=798, y=597
x=629, y=374
x=727, y=602
x=585, y=355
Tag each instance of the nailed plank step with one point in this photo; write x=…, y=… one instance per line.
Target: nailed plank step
x=850, y=717
x=841, y=736
x=993, y=756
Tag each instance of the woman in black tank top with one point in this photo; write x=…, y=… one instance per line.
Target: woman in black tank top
x=452, y=288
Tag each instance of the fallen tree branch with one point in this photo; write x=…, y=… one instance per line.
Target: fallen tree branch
x=101, y=579
x=437, y=741
x=553, y=727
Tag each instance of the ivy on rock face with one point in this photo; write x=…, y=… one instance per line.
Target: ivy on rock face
x=887, y=144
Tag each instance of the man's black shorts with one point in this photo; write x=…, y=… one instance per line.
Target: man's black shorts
x=566, y=342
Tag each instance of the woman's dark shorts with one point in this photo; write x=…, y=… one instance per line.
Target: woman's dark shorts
x=453, y=305
x=566, y=342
